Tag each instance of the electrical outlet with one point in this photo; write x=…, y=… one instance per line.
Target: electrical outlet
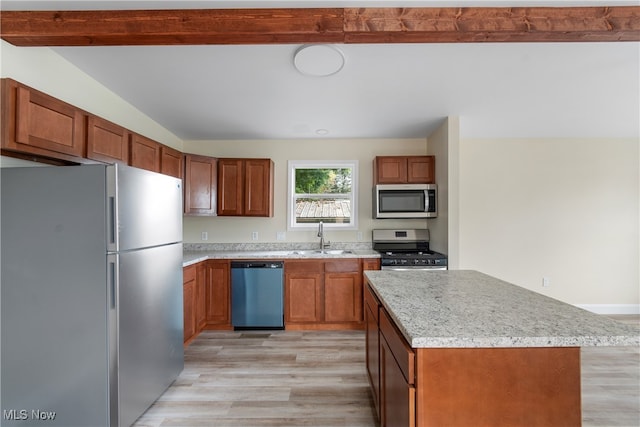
x=204, y=235
x=546, y=281
x=281, y=235
x=359, y=236
x=254, y=235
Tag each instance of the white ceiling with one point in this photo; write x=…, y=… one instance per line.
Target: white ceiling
x=383, y=91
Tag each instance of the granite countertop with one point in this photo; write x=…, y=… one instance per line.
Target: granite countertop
x=461, y=308
x=193, y=257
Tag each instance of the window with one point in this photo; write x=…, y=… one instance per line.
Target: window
x=323, y=191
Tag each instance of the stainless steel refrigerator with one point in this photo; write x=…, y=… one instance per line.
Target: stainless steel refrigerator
x=91, y=293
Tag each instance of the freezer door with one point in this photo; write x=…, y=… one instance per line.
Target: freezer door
x=146, y=206
x=150, y=325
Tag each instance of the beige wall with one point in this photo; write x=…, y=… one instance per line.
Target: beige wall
x=48, y=72
x=229, y=229
x=565, y=209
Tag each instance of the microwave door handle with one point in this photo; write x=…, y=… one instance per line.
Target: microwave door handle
x=426, y=200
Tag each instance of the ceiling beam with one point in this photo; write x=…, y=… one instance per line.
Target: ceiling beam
x=335, y=25
x=491, y=24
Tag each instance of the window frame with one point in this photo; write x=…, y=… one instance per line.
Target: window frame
x=292, y=165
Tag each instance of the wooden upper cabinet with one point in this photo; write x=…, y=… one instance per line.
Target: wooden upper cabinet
x=106, y=141
x=390, y=170
x=421, y=170
x=231, y=187
x=245, y=187
x=258, y=187
x=199, y=185
x=170, y=161
x=404, y=170
x=145, y=153
x=36, y=123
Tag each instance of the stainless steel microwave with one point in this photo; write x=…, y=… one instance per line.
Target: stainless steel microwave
x=405, y=201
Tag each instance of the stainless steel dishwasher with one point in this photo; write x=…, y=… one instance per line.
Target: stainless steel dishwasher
x=257, y=295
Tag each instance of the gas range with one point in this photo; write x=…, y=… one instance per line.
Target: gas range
x=407, y=250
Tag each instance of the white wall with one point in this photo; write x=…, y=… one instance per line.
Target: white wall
x=565, y=209
x=443, y=143
x=230, y=229
x=48, y=72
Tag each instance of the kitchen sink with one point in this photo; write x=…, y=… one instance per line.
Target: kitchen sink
x=322, y=252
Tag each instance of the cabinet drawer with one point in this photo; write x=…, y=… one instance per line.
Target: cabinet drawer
x=311, y=266
x=342, y=266
x=402, y=352
x=371, y=300
x=189, y=273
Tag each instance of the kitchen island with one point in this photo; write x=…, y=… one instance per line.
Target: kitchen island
x=463, y=348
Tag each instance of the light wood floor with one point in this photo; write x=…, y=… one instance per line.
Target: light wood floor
x=292, y=378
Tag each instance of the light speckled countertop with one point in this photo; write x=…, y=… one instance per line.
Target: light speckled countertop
x=192, y=257
x=461, y=308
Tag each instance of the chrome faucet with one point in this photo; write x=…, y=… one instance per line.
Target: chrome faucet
x=321, y=236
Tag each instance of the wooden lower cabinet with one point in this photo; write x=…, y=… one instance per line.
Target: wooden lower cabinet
x=343, y=291
x=397, y=376
x=189, y=302
x=460, y=387
x=397, y=396
x=218, y=294
x=201, y=297
x=372, y=348
x=303, y=292
x=324, y=294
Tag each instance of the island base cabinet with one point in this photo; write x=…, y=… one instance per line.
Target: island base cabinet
x=498, y=387
x=397, y=397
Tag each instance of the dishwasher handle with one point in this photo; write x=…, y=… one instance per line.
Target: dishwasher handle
x=257, y=264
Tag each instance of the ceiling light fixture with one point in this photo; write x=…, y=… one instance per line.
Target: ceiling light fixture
x=318, y=60
x=322, y=132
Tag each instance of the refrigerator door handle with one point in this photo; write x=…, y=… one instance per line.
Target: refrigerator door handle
x=113, y=279
x=113, y=273
x=112, y=208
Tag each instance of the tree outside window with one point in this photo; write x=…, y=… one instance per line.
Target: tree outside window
x=322, y=192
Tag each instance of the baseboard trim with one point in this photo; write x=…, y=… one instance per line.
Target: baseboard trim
x=611, y=308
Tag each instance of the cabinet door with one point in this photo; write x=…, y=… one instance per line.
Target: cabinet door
x=421, y=170
x=390, y=170
x=106, y=141
x=372, y=353
x=258, y=188
x=231, y=187
x=342, y=297
x=303, y=291
x=303, y=297
x=201, y=296
x=199, y=185
x=145, y=153
x=218, y=293
x=170, y=161
x=36, y=123
x=397, y=397
x=189, y=298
